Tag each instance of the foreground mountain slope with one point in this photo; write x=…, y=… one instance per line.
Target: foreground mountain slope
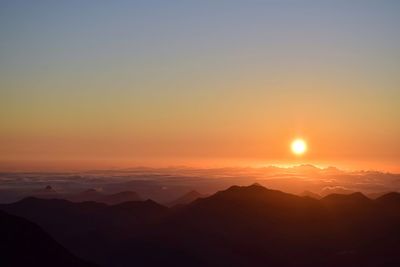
x=26, y=244
x=88, y=229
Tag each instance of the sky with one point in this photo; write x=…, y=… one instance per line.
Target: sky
x=118, y=83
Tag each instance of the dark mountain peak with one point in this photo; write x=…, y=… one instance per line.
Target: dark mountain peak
x=392, y=197
x=49, y=188
x=46, y=192
x=376, y=195
x=358, y=196
x=252, y=195
x=254, y=186
x=247, y=189
x=186, y=198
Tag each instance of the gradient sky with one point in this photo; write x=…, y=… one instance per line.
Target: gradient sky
x=179, y=81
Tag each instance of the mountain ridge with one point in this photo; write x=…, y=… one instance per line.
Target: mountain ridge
x=239, y=226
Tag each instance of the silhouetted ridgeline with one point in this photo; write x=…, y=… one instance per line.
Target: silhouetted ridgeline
x=166, y=185
x=240, y=226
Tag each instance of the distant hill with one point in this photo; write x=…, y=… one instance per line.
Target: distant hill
x=87, y=195
x=186, y=198
x=25, y=244
x=392, y=198
x=112, y=199
x=47, y=192
x=376, y=195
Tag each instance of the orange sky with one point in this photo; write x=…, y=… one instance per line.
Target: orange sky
x=199, y=84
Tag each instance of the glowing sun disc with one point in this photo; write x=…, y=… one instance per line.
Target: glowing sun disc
x=299, y=146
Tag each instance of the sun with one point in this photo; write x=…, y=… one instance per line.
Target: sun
x=299, y=146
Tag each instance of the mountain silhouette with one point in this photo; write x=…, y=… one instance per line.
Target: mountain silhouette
x=356, y=197
x=46, y=192
x=111, y=199
x=25, y=244
x=376, y=195
x=186, y=198
x=390, y=202
x=255, y=226
x=239, y=226
x=390, y=198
